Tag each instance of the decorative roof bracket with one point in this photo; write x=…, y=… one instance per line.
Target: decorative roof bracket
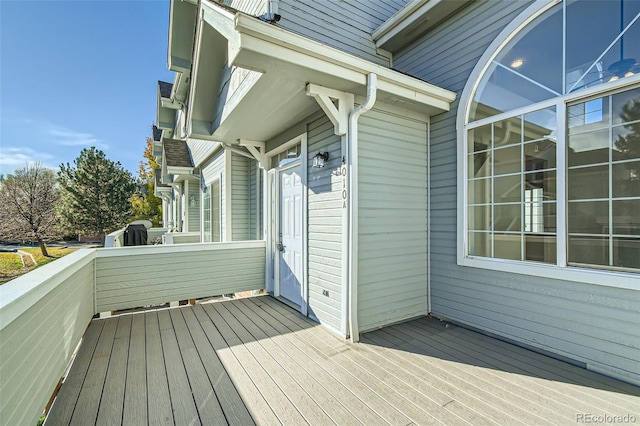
x=257, y=149
x=325, y=97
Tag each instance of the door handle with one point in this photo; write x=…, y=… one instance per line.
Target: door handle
x=280, y=246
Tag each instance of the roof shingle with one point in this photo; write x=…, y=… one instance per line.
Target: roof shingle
x=157, y=133
x=165, y=89
x=176, y=153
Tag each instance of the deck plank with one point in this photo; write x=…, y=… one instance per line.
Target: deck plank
x=135, y=396
x=464, y=394
x=62, y=409
x=204, y=395
x=112, y=401
x=299, y=368
x=276, y=398
x=321, y=371
x=528, y=364
x=393, y=391
x=86, y=410
x=256, y=404
x=158, y=398
x=536, y=377
x=326, y=351
x=257, y=361
x=182, y=402
x=235, y=412
x=304, y=402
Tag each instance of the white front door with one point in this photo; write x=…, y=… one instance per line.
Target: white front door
x=290, y=247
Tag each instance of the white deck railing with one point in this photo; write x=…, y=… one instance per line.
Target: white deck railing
x=44, y=313
x=116, y=238
x=181, y=238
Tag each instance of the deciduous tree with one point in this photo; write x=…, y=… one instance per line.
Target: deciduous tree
x=27, y=205
x=95, y=194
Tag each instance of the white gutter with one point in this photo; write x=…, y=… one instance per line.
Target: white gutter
x=352, y=286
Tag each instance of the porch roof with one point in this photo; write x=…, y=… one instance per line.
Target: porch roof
x=255, y=360
x=273, y=67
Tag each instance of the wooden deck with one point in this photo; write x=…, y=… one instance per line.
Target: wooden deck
x=255, y=360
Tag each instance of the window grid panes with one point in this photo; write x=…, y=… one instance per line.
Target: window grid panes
x=603, y=182
x=286, y=156
x=512, y=188
x=206, y=214
x=216, y=212
x=523, y=73
x=514, y=148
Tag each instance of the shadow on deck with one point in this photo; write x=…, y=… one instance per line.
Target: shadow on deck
x=255, y=360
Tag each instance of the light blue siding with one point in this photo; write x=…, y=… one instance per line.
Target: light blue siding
x=255, y=201
x=345, y=25
x=201, y=150
x=592, y=324
x=240, y=197
x=193, y=201
x=324, y=225
x=392, y=212
x=250, y=7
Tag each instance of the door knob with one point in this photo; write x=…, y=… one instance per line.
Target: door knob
x=280, y=246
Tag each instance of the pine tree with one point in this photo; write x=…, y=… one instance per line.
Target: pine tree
x=27, y=205
x=147, y=206
x=95, y=194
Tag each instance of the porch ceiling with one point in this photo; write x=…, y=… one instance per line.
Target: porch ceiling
x=283, y=63
x=255, y=360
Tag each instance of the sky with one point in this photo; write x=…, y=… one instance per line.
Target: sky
x=76, y=74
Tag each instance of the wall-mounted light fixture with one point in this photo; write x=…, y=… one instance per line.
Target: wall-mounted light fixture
x=192, y=201
x=320, y=159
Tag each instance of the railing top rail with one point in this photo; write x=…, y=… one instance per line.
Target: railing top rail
x=178, y=248
x=19, y=294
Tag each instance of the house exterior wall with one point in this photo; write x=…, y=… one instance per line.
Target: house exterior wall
x=193, y=202
x=255, y=201
x=200, y=150
x=392, y=212
x=251, y=7
x=324, y=223
x=595, y=325
x=345, y=25
x=212, y=170
x=240, y=198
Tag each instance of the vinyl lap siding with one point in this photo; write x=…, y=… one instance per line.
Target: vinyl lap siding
x=254, y=199
x=56, y=321
x=124, y=281
x=392, y=238
x=194, y=209
x=240, y=197
x=251, y=7
x=200, y=150
x=592, y=324
x=325, y=225
x=345, y=25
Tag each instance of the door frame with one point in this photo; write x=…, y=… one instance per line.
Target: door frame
x=272, y=218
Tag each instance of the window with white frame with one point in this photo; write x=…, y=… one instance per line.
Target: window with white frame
x=552, y=149
x=211, y=212
x=206, y=214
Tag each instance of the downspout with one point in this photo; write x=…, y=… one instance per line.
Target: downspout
x=352, y=286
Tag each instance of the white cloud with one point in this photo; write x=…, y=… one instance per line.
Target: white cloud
x=68, y=137
x=14, y=158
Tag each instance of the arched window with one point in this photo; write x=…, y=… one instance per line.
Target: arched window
x=551, y=141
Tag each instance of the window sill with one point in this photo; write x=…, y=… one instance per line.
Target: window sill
x=615, y=279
